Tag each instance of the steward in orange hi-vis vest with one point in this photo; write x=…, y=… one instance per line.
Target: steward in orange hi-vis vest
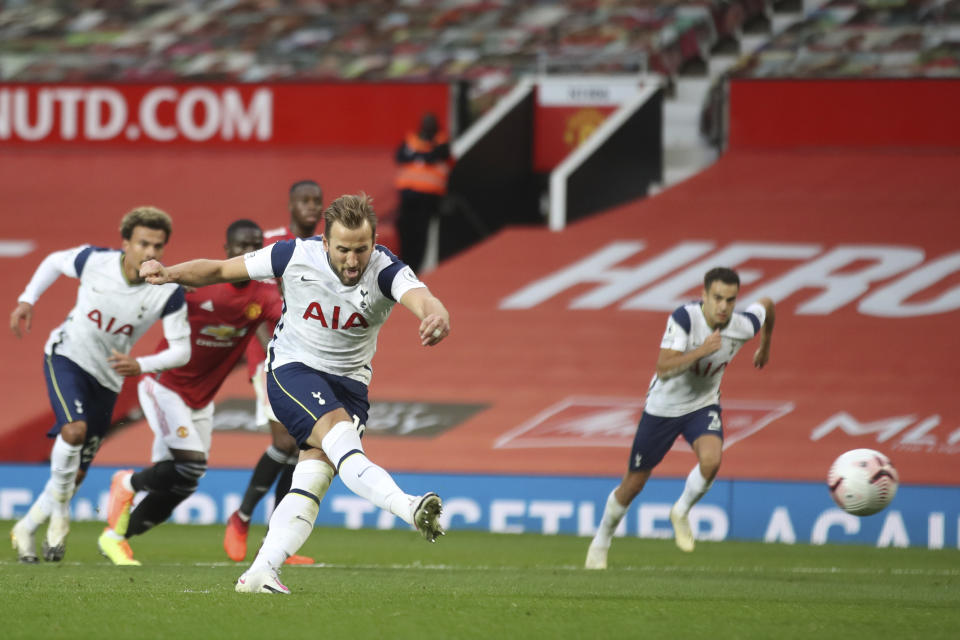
x=423, y=160
x=423, y=164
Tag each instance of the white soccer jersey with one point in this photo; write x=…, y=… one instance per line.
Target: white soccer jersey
x=110, y=313
x=699, y=385
x=327, y=325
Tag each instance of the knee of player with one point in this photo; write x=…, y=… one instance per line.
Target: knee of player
x=324, y=424
x=74, y=432
x=316, y=454
x=322, y=427
x=709, y=466
x=286, y=443
x=188, y=476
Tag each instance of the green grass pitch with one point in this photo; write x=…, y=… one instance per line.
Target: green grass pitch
x=392, y=584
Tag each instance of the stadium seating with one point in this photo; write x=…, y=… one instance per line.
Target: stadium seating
x=845, y=38
x=488, y=42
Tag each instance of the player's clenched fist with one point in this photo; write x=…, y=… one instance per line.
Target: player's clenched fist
x=154, y=272
x=713, y=342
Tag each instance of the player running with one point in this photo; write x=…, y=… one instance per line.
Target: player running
x=178, y=403
x=87, y=357
x=338, y=291
x=700, y=340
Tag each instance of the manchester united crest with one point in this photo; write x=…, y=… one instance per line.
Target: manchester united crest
x=581, y=126
x=253, y=311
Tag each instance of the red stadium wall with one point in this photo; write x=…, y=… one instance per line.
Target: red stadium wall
x=837, y=113
x=355, y=114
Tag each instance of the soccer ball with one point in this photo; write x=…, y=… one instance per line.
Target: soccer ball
x=862, y=481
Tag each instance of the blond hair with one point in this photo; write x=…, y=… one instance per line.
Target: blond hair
x=149, y=217
x=351, y=211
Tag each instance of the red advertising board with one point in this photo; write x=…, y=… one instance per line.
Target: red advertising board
x=844, y=112
x=352, y=114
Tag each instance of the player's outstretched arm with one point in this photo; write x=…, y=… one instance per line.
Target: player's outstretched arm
x=434, y=317
x=196, y=273
x=52, y=267
x=762, y=356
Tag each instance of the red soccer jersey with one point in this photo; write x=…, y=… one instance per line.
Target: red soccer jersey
x=276, y=235
x=223, y=321
x=255, y=353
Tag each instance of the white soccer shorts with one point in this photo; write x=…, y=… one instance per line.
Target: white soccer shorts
x=265, y=413
x=174, y=424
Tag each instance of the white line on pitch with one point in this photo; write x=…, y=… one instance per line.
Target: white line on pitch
x=640, y=568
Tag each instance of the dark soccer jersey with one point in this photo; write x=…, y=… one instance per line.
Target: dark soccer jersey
x=255, y=353
x=223, y=321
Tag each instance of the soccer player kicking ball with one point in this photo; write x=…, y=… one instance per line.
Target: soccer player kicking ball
x=86, y=358
x=305, y=203
x=700, y=340
x=178, y=403
x=338, y=291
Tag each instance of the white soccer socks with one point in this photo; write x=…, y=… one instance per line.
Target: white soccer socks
x=292, y=520
x=613, y=513
x=64, y=465
x=363, y=477
x=695, y=488
x=39, y=511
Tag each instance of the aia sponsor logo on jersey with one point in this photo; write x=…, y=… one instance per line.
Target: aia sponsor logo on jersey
x=110, y=325
x=223, y=331
x=315, y=312
x=705, y=370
